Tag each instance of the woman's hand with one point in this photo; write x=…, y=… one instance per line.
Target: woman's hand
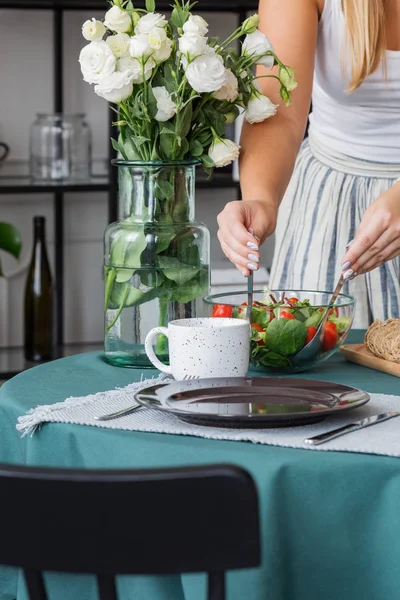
x=235, y=223
x=378, y=236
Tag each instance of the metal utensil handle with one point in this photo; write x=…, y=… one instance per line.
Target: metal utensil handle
x=249, y=296
x=330, y=435
x=119, y=413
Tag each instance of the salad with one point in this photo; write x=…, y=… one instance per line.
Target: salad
x=282, y=327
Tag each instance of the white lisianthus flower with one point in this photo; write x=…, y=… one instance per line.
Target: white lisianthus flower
x=118, y=20
x=156, y=37
x=97, y=61
x=206, y=73
x=119, y=44
x=147, y=23
x=166, y=108
x=256, y=44
x=192, y=45
x=139, y=46
x=196, y=25
x=115, y=87
x=230, y=90
x=259, y=108
x=223, y=151
x=133, y=68
x=93, y=30
x=164, y=52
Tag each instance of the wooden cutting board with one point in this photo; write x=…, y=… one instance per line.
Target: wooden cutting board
x=359, y=354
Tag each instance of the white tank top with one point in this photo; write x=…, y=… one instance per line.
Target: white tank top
x=366, y=123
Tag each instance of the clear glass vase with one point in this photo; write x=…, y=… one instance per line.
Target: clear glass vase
x=157, y=258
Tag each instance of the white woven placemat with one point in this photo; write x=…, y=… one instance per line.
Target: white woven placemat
x=379, y=439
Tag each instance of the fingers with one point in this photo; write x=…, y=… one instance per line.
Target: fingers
x=373, y=253
x=237, y=243
x=378, y=259
x=249, y=261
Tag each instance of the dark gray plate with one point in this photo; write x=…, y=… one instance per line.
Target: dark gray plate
x=257, y=402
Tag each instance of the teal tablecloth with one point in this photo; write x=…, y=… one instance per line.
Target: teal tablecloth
x=330, y=521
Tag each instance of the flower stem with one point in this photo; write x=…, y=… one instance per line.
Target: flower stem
x=121, y=307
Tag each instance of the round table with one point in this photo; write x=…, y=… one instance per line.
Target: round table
x=330, y=521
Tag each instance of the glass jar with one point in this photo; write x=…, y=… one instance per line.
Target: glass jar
x=157, y=258
x=60, y=147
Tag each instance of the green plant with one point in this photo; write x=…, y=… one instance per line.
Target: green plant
x=10, y=241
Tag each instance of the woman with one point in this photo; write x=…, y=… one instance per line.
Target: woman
x=342, y=186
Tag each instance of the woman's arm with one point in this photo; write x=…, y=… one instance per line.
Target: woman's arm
x=269, y=149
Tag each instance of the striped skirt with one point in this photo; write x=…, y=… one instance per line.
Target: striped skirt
x=322, y=208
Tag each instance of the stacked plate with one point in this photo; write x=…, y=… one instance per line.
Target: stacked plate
x=256, y=402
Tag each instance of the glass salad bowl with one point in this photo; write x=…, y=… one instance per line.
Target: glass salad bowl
x=283, y=322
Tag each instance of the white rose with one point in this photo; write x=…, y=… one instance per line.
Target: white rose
x=196, y=24
x=192, y=45
x=222, y=152
x=93, y=30
x=115, y=87
x=97, y=61
x=206, y=73
x=230, y=90
x=164, y=52
x=156, y=38
x=166, y=108
x=139, y=46
x=149, y=21
x=257, y=44
x=133, y=68
x=117, y=19
x=119, y=44
x=259, y=108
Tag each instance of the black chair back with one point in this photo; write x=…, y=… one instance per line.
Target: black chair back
x=195, y=519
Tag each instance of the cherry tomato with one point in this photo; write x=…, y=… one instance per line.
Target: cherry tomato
x=311, y=331
x=258, y=327
x=293, y=300
x=222, y=310
x=330, y=336
x=286, y=315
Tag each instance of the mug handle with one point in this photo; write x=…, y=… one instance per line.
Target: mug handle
x=6, y=150
x=148, y=345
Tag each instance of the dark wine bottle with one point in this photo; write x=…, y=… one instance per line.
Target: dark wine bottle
x=38, y=308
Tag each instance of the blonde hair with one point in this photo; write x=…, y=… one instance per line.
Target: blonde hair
x=365, y=39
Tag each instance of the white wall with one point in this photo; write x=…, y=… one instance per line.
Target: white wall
x=26, y=79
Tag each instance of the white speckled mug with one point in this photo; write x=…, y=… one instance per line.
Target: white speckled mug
x=208, y=347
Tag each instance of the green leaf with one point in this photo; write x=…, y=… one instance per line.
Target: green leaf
x=273, y=359
x=175, y=270
x=10, y=240
x=126, y=248
x=139, y=140
x=195, y=288
x=207, y=161
x=196, y=149
x=184, y=121
x=119, y=147
x=151, y=103
x=285, y=336
x=130, y=150
x=150, y=5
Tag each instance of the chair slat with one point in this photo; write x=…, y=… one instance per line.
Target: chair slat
x=35, y=585
x=107, y=587
x=216, y=586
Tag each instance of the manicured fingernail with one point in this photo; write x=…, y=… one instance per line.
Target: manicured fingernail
x=353, y=276
x=252, y=246
x=252, y=267
x=254, y=258
x=348, y=274
x=346, y=265
x=349, y=244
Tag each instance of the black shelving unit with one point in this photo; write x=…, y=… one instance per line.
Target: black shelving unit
x=18, y=184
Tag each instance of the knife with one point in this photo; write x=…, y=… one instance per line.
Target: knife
x=334, y=433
